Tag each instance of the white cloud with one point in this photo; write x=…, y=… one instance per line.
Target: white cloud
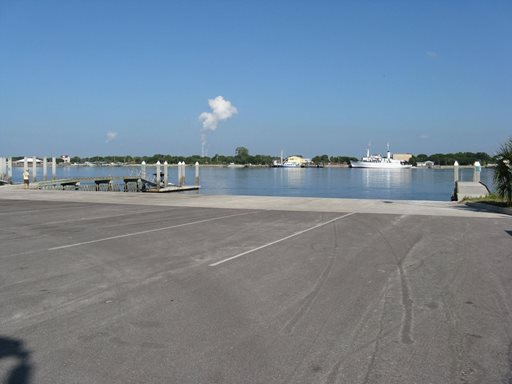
x=432, y=54
x=424, y=137
x=111, y=136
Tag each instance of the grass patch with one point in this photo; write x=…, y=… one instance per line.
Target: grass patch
x=492, y=199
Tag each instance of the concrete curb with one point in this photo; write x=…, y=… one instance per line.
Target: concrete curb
x=298, y=204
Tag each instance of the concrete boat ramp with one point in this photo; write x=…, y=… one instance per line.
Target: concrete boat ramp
x=154, y=288
x=468, y=189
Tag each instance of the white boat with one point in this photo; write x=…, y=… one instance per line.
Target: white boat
x=233, y=165
x=377, y=161
x=290, y=164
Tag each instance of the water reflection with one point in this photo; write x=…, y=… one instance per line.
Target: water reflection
x=292, y=177
x=381, y=183
x=386, y=178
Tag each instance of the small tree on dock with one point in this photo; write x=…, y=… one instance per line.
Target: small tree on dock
x=503, y=172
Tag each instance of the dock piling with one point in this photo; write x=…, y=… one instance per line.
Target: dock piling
x=3, y=166
x=456, y=171
x=197, y=173
x=157, y=176
x=34, y=169
x=9, y=170
x=45, y=169
x=477, y=170
x=143, y=170
x=166, y=174
x=182, y=182
x=54, y=168
x=179, y=173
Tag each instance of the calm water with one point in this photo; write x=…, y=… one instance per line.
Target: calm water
x=405, y=184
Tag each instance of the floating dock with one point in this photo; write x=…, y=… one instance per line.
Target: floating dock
x=111, y=184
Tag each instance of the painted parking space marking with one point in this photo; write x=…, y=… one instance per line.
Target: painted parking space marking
x=150, y=231
x=281, y=240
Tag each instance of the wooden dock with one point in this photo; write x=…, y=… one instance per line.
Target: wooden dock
x=111, y=184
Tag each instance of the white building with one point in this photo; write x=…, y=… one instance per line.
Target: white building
x=30, y=160
x=66, y=159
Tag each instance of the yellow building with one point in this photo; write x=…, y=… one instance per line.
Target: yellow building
x=299, y=160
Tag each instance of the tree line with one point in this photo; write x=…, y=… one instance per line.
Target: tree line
x=326, y=159
x=463, y=158
x=242, y=156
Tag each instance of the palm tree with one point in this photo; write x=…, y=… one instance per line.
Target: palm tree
x=503, y=172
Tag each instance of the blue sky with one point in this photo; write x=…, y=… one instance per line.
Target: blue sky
x=307, y=77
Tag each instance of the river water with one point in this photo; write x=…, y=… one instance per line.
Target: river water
x=388, y=184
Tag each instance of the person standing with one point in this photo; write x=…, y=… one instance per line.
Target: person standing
x=26, y=178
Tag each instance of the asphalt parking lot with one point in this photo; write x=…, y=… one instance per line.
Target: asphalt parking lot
x=95, y=292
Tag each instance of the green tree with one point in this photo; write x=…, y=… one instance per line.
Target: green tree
x=342, y=159
x=242, y=155
x=320, y=159
x=422, y=157
x=503, y=172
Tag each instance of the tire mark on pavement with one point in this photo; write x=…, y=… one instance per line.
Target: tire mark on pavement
x=309, y=299
x=307, y=302
x=360, y=331
x=407, y=302
x=508, y=375
x=376, y=345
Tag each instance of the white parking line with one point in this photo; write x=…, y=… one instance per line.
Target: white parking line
x=149, y=231
x=280, y=240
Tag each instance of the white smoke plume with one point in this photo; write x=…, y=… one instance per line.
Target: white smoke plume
x=221, y=110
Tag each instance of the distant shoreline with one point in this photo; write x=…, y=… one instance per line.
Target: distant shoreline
x=226, y=166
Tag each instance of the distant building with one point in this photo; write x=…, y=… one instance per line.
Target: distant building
x=30, y=160
x=426, y=164
x=292, y=161
x=402, y=156
x=66, y=159
x=299, y=160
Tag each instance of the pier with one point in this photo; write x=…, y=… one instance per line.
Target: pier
x=159, y=183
